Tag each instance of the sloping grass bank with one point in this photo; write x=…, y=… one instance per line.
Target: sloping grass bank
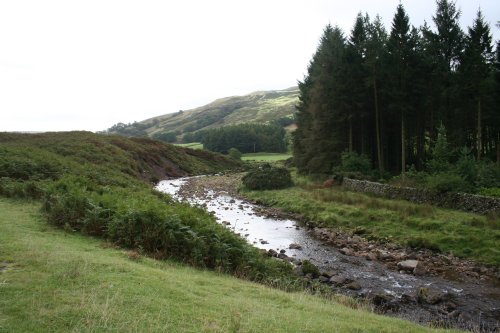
x=60, y=281
x=422, y=226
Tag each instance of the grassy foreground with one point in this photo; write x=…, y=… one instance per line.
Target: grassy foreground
x=54, y=281
x=422, y=226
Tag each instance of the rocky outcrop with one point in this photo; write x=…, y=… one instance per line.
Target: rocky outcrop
x=461, y=201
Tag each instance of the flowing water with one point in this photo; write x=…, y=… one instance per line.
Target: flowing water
x=474, y=302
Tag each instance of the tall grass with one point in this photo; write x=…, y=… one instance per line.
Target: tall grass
x=421, y=226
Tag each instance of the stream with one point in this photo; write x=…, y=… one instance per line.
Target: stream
x=460, y=303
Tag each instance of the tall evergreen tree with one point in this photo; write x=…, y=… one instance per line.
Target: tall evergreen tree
x=446, y=44
x=402, y=59
x=302, y=135
x=476, y=69
x=328, y=104
x=449, y=38
x=357, y=93
x=320, y=137
x=374, y=64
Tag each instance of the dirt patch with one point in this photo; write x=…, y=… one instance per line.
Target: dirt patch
x=5, y=266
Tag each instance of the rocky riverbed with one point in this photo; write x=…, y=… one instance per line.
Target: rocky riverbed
x=422, y=286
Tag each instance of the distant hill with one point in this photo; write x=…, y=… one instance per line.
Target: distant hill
x=258, y=107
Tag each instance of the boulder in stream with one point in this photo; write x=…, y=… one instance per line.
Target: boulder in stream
x=431, y=296
x=338, y=280
x=354, y=285
x=408, y=265
x=346, y=251
x=272, y=253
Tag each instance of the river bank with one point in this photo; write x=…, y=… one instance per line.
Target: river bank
x=419, y=285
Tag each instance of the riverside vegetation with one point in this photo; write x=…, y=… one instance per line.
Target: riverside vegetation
x=99, y=185
x=419, y=226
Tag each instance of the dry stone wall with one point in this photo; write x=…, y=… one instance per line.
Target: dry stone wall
x=462, y=201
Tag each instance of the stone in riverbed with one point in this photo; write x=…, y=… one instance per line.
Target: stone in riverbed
x=430, y=296
x=346, y=251
x=272, y=253
x=295, y=246
x=354, y=285
x=323, y=279
x=338, y=280
x=419, y=270
x=282, y=256
x=328, y=274
x=408, y=265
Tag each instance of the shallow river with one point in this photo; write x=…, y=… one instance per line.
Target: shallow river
x=475, y=304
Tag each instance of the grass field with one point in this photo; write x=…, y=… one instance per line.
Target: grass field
x=265, y=157
x=192, y=145
x=463, y=234
x=57, y=281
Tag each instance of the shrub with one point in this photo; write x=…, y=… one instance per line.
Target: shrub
x=466, y=166
x=447, y=182
x=354, y=162
x=440, y=153
x=488, y=175
x=234, y=154
x=20, y=189
x=29, y=167
x=310, y=268
x=267, y=177
x=491, y=192
x=412, y=178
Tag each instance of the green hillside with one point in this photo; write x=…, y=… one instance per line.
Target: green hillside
x=51, y=155
x=258, y=107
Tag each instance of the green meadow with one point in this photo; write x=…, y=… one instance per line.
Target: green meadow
x=265, y=157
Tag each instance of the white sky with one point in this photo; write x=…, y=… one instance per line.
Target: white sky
x=88, y=64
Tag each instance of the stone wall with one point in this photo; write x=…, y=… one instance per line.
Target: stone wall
x=462, y=201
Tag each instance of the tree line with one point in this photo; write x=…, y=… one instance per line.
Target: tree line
x=247, y=138
x=385, y=94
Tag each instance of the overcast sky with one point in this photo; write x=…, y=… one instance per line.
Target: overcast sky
x=86, y=65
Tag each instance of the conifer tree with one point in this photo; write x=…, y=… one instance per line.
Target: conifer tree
x=374, y=64
x=357, y=93
x=320, y=136
x=401, y=50
x=476, y=68
x=446, y=44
